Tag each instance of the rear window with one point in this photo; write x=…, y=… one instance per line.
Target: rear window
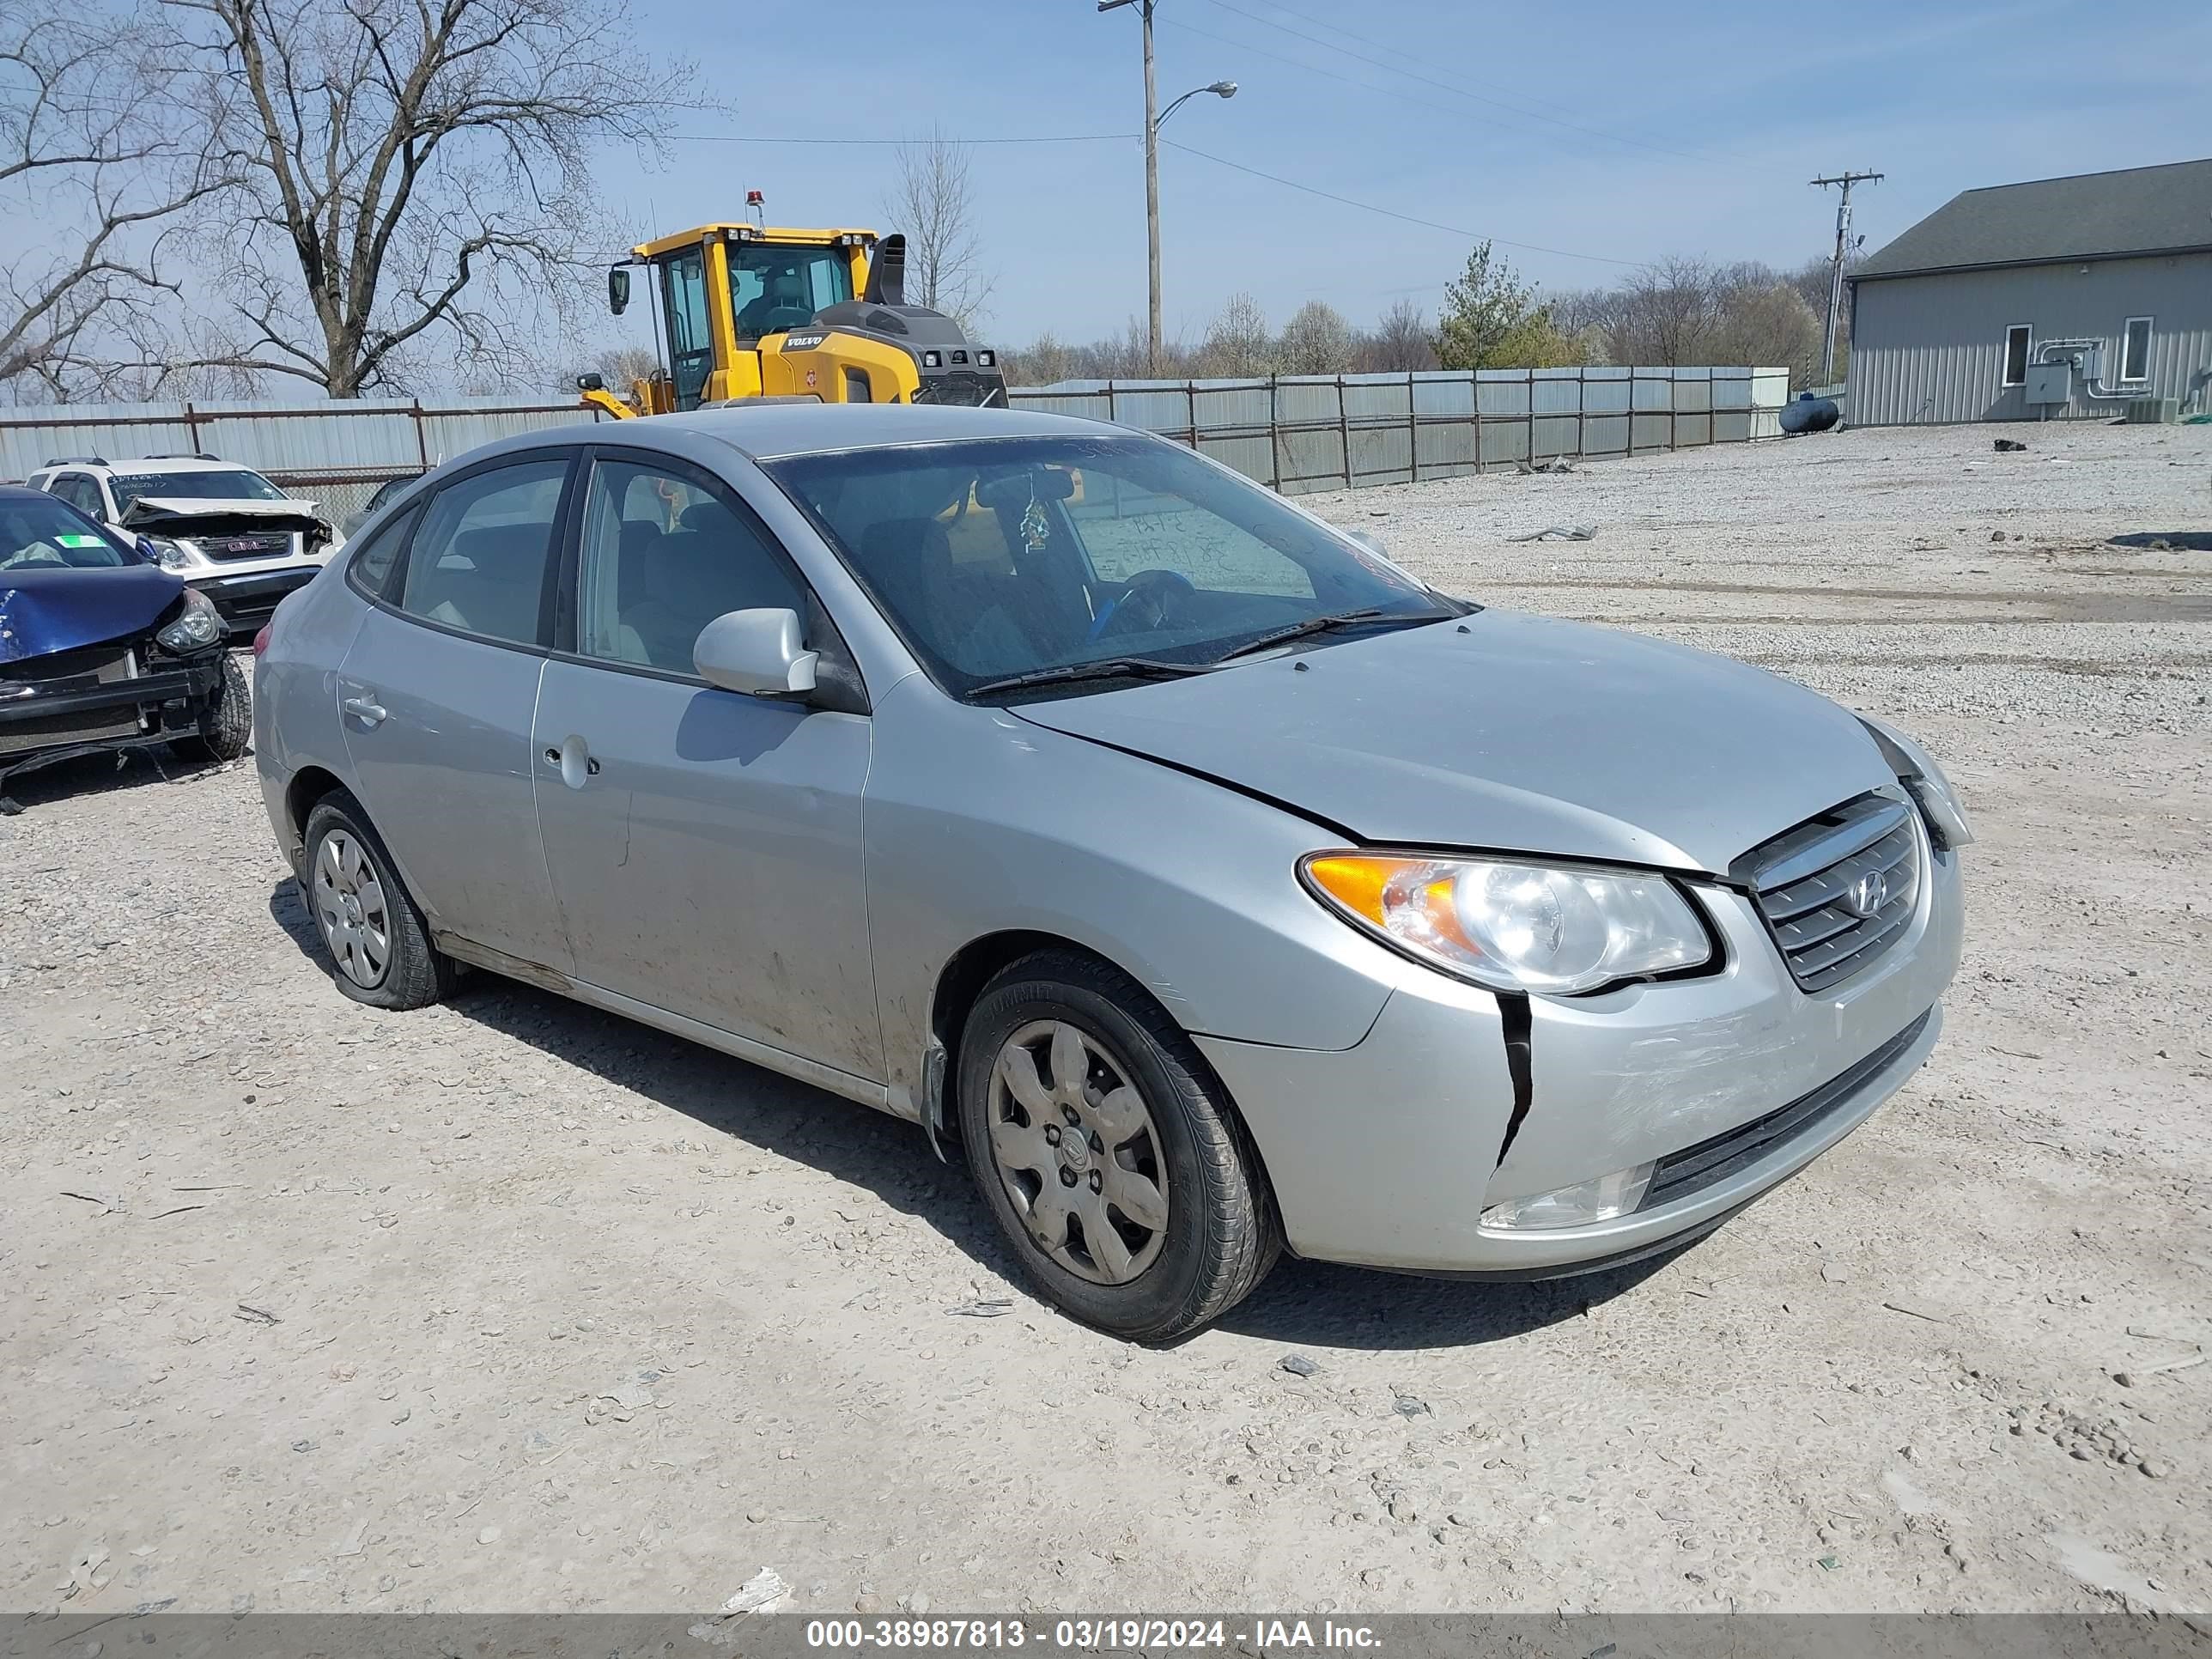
x=227, y=483
x=42, y=533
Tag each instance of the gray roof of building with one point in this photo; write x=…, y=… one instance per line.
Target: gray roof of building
x=2090, y=215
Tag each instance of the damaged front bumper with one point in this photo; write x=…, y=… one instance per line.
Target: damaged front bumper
x=105, y=697
x=1388, y=1154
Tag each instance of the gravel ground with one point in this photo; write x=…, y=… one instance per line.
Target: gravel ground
x=509, y=1304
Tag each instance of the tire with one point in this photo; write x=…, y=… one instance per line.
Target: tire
x=1149, y=1283
x=346, y=857
x=226, y=721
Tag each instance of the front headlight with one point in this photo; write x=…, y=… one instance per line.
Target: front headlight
x=196, y=626
x=174, y=556
x=1516, y=927
x=1924, y=781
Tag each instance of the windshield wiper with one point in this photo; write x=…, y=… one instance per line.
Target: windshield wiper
x=1101, y=668
x=1323, y=624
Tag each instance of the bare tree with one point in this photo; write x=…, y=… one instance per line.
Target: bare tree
x=1041, y=362
x=934, y=202
x=1691, y=311
x=621, y=366
x=1766, y=323
x=85, y=159
x=1401, y=342
x=1238, y=341
x=418, y=189
x=1315, y=341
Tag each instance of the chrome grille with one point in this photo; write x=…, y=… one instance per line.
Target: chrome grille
x=248, y=544
x=1840, y=888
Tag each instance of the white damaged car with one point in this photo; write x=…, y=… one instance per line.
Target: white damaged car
x=227, y=530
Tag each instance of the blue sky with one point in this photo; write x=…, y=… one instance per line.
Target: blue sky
x=1626, y=131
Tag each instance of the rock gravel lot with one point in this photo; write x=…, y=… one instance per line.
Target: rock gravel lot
x=509, y=1304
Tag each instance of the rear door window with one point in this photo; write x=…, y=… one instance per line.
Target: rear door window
x=369, y=567
x=481, y=561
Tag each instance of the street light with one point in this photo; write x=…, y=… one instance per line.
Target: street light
x=1220, y=89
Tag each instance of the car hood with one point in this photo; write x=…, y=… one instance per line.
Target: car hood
x=1509, y=733
x=43, y=611
x=187, y=516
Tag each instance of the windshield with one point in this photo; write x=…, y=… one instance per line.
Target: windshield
x=45, y=534
x=1014, y=557
x=227, y=483
x=773, y=288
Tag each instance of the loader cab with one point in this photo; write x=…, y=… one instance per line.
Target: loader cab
x=742, y=311
x=740, y=284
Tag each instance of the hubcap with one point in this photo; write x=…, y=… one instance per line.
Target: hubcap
x=350, y=905
x=1078, y=1153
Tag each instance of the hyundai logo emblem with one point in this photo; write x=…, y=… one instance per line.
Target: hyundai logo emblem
x=1867, y=895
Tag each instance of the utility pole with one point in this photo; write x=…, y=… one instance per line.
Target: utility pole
x=1845, y=178
x=1152, y=121
x=1152, y=178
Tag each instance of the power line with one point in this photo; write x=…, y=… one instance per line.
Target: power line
x=1046, y=138
x=1454, y=111
x=1451, y=86
x=1392, y=213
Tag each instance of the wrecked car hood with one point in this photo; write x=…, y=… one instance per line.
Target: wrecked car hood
x=1520, y=734
x=43, y=611
x=180, y=515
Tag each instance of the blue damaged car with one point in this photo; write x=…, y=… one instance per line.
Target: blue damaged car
x=101, y=648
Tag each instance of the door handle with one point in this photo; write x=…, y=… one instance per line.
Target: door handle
x=367, y=710
x=574, y=761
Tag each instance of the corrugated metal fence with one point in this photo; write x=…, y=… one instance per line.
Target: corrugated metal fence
x=337, y=451
x=1302, y=433
x=1297, y=433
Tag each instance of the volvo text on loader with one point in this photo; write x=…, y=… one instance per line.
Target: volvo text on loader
x=744, y=311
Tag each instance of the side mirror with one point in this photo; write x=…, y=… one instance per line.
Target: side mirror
x=618, y=290
x=759, y=652
x=1369, y=540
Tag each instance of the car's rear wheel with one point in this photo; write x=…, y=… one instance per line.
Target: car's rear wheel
x=226, y=720
x=1120, y=1171
x=377, y=939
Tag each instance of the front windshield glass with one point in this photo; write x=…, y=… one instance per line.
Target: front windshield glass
x=223, y=484
x=1011, y=557
x=45, y=534
x=776, y=287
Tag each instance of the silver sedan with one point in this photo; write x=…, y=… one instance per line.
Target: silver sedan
x=1210, y=881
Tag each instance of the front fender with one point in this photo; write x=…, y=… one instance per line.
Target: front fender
x=977, y=823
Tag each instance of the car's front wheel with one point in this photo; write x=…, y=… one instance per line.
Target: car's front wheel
x=1128, y=1186
x=377, y=939
x=226, y=720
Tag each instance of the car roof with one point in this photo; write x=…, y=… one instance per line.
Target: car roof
x=769, y=431
x=141, y=464
x=774, y=431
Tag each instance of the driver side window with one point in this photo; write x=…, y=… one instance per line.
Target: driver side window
x=664, y=552
x=82, y=492
x=1126, y=528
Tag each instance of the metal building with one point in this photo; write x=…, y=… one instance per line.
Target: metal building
x=2085, y=297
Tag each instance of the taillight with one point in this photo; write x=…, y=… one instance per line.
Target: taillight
x=261, y=639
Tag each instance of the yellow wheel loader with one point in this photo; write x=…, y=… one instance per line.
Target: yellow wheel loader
x=744, y=311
